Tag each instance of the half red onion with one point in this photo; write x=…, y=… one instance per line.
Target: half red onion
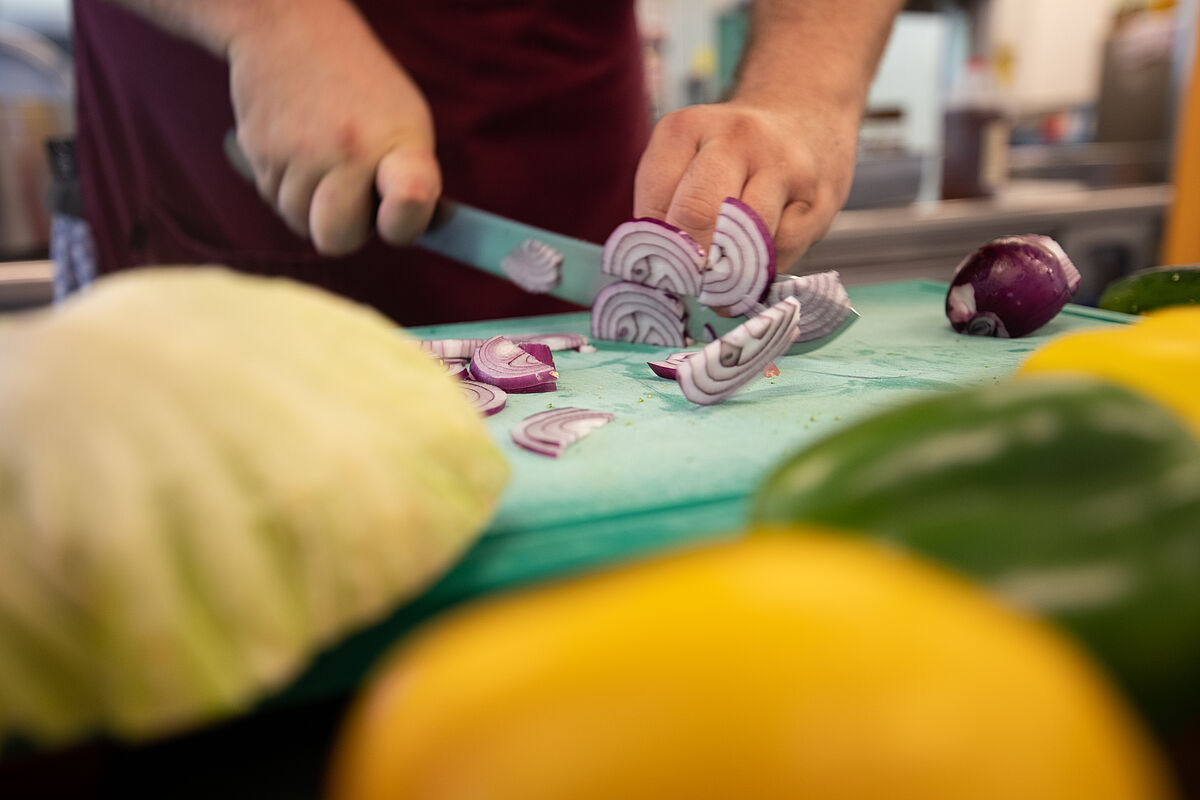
x=824, y=304
x=720, y=368
x=1011, y=286
x=549, y=432
x=667, y=367
x=741, y=261
x=486, y=399
x=656, y=254
x=630, y=312
x=502, y=363
x=534, y=266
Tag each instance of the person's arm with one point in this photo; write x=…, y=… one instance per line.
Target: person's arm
x=785, y=142
x=324, y=114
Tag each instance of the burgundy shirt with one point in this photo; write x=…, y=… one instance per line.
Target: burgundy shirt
x=539, y=110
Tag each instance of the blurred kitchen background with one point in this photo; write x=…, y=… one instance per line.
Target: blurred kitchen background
x=987, y=117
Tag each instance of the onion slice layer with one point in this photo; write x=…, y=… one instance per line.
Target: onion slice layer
x=630, y=312
x=534, y=266
x=720, y=368
x=502, y=363
x=741, y=261
x=487, y=399
x=824, y=304
x=656, y=254
x=667, y=367
x=549, y=432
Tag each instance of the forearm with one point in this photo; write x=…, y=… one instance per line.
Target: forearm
x=217, y=24
x=814, y=52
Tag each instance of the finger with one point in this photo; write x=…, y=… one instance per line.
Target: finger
x=409, y=184
x=266, y=173
x=713, y=175
x=339, y=216
x=661, y=167
x=295, y=195
x=801, y=225
x=768, y=196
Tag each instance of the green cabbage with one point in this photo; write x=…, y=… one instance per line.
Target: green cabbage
x=206, y=477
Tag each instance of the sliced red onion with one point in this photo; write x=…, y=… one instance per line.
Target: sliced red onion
x=534, y=266
x=502, y=363
x=486, y=399
x=667, y=367
x=629, y=312
x=656, y=254
x=741, y=261
x=718, y=369
x=451, y=348
x=555, y=341
x=1011, y=286
x=824, y=304
x=549, y=432
x=548, y=386
x=455, y=367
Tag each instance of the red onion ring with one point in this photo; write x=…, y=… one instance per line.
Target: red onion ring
x=667, y=367
x=741, y=261
x=824, y=304
x=502, y=363
x=549, y=432
x=629, y=312
x=656, y=254
x=720, y=368
x=487, y=399
x=534, y=266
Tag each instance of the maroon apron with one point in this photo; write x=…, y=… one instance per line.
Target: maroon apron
x=539, y=110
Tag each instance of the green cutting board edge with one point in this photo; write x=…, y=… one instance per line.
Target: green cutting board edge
x=665, y=472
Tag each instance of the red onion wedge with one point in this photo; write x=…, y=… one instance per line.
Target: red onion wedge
x=656, y=254
x=1011, y=286
x=718, y=369
x=486, y=399
x=629, y=312
x=824, y=304
x=538, y=350
x=667, y=367
x=741, y=261
x=502, y=363
x=534, y=266
x=549, y=432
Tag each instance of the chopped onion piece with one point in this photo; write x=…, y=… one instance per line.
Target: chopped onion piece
x=549, y=432
x=534, y=266
x=1011, y=286
x=538, y=350
x=555, y=341
x=718, y=369
x=502, y=363
x=629, y=312
x=667, y=367
x=486, y=398
x=656, y=254
x=455, y=367
x=824, y=304
x=741, y=261
x=451, y=348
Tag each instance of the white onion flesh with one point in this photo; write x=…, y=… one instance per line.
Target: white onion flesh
x=741, y=261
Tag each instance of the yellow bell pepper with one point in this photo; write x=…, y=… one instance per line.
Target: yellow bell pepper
x=1158, y=355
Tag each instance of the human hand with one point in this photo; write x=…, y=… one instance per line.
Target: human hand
x=326, y=118
x=791, y=165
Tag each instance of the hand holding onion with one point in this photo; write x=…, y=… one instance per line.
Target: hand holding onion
x=326, y=118
x=791, y=164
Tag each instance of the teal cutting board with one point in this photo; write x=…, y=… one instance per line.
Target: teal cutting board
x=665, y=472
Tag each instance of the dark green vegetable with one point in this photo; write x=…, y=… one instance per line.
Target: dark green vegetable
x=1074, y=498
x=1157, y=287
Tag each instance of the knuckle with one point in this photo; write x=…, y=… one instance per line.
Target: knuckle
x=693, y=210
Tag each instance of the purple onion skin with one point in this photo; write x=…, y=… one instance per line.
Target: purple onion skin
x=1010, y=287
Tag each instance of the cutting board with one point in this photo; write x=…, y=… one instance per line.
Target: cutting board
x=666, y=473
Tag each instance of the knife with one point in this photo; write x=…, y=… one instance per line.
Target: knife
x=481, y=239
